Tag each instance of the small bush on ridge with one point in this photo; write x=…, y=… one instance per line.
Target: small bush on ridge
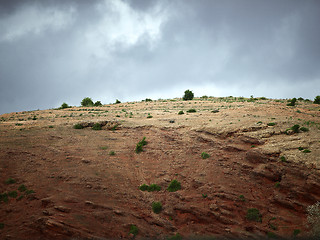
x=174, y=186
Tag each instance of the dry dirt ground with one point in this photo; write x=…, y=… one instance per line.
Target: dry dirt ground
x=76, y=189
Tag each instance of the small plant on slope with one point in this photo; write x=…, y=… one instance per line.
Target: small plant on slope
x=253, y=214
x=174, y=186
x=156, y=207
x=139, y=147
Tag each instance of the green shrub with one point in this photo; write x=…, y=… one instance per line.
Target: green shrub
x=296, y=232
x=78, y=126
x=29, y=192
x=148, y=100
x=306, y=151
x=253, y=214
x=13, y=194
x=144, y=187
x=300, y=148
x=139, y=147
x=96, y=126
x=272, y=124
x=174, y=186
x=4, y=197
x=204, y=195
x=317, y=100
x=192, y=110
x=51, y=126
x=188, y=95
x=205, y=155
x=242, y=198
x=134, y=230
x=64, y=105
x=10, y=181
x=97, y=104
x=22, y=188
x=34, y=118
x=87, y=102
x=295, y=128
x=283, y=159
x=304, y=129
x=117, y=101
x=175, y=237
x=149, y=116
x=292, y=102
x=156, y=207
x=180, y=112
x=154, y=187
x=112, y=153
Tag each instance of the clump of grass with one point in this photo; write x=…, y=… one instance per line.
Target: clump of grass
x=149, y=116
x=22, y=188
x=192, y=110
x=112, y=153
x=272, y=124
x=283, y=159
x=175, y=237
x=139, y=147
x=144, y=187
x=4, y=197
x=204, y=195
x=156, y=207
x=180, y=112
x=295, y=128
x=154, y=187
x=174, y=186
x=50, y=126
x=306, y=151
x=29, y=192
x=19, y=198
x=304, y=129
x=78, y=126
x=13, y=194
x=296, y=232
x=253, y=214
x=205, y=155
x=215, y=111
x=300, y=148
x=10, y=181
x=134, y=230
x=96, y=126
x=242, y=198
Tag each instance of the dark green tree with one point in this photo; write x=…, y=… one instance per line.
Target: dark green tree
x=317, y=100
x=188, y=95
x=87, y=102
x=97, y=104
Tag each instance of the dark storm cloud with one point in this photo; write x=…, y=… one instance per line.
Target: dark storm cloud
x=55, y=51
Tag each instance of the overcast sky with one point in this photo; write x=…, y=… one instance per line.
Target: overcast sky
x=55, y=51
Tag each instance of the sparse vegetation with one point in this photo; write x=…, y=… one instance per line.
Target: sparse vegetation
x=117, y=101
x=277, y=184
x=154, y=187
x=188, y=95
x=204, y=155
x=112, y=153
x=144, y=187
x=304, y=129
x=156, y=207
x=253, y=214
x=180, y=112
x=13, y=194
x=4, y=197
x=204, y=195
x=174, y=186
x=29, y=192
x=272, y=124
x=306, y=151
x=139, y=147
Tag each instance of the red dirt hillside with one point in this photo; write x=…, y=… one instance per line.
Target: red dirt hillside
x=257, y=179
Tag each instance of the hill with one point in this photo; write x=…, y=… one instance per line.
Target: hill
x=245, y=168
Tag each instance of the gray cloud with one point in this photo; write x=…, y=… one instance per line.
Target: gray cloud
x=56, y=51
